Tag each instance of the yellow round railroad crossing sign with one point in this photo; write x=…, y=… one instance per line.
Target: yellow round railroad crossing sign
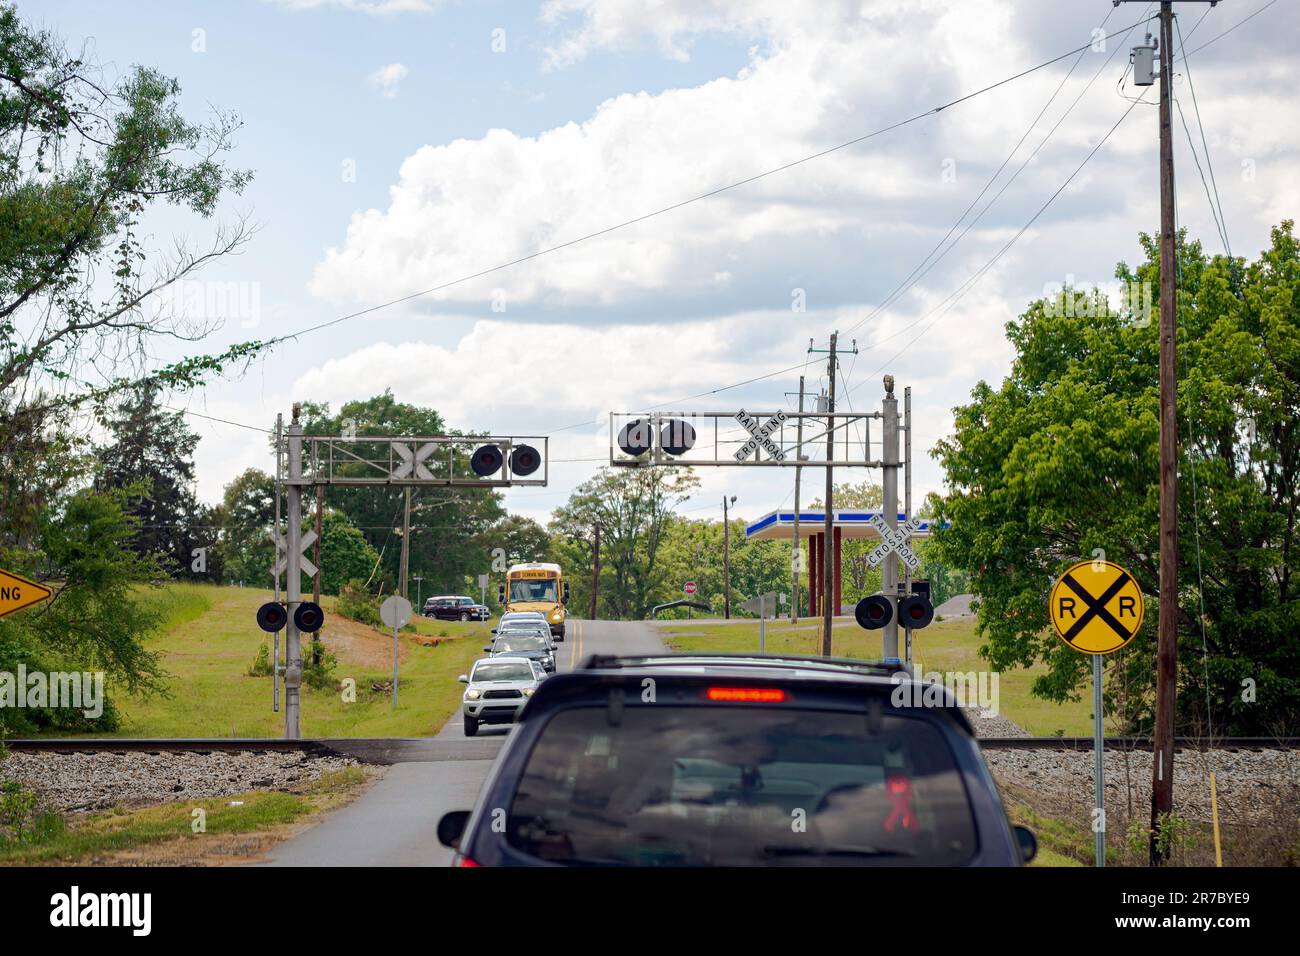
x=1096, y=607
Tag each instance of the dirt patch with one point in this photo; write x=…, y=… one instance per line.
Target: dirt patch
x=360, y=645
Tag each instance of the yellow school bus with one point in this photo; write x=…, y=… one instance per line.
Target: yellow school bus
x=537, y=586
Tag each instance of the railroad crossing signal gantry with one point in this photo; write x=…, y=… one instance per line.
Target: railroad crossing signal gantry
x=402, y=461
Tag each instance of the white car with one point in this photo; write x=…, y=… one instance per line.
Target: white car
x=498, y=689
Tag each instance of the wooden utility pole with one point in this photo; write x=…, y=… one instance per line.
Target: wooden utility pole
x=595, y=573
x=1162, y=773
x=794, y=543
x=828, y=546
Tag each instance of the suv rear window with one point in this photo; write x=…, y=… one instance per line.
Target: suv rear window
x=690, y=786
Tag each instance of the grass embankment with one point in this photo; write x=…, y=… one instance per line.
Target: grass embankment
x=166, y=834
x=210, y=640
x=945, y=646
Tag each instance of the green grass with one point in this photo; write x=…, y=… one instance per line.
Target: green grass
x=945, y=646
x=111, y=831
x=179, y=602
x=212, y=639
x=1046, y=857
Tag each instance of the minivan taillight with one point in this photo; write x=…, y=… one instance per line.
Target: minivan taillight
x=466, y=861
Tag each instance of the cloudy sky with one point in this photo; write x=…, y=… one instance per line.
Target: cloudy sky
x=399, y=145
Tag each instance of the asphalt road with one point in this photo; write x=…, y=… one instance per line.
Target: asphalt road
x=395, y=822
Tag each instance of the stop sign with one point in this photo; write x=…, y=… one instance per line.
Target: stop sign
x=689, y=587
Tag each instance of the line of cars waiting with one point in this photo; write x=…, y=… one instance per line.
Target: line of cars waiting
x=520, y=657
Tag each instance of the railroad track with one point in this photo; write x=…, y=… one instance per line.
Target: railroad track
x=391, y=750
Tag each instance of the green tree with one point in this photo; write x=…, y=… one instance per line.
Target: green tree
x=522, y=539
x=1060, y=463
x=97, y=618
x=345, y=553
x=81, y=163
x=632, y=506
x=152, y=453
x=451, y=527
x=246, y=519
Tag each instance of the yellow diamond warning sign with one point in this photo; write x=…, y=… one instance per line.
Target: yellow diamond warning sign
x=16, y=593
x=1096, y=607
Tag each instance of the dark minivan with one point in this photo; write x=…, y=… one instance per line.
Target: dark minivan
x=690, y=760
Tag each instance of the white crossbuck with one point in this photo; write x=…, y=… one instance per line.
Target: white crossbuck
x=282, y=554
x=894, y=540
x=412, y=460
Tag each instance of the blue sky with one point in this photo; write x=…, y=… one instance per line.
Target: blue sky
x=600, y=110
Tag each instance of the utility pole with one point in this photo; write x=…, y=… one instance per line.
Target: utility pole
x=726, y=559
x=595, y=573
x=795, y=561
x=828, y=545
x=1162, y=783
x=293, y=584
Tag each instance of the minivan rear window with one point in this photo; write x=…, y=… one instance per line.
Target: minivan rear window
x=740, y=785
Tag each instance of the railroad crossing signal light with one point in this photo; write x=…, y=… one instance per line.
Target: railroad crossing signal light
x=565, y=597
x=501, y=594
x=487, y=460
x=524, y=460
x=677, y=437
x=915, y=611
x=308, y=617
x=636, y=437
x=272, y=617
x=873, y=612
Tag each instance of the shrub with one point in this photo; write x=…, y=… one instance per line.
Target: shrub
x=318, y=670
x=261, y=666
x=357, y=604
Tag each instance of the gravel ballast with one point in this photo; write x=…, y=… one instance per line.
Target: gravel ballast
x=96, y=781
x=1250, y=783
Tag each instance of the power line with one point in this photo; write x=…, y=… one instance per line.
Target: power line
x=913, y=277
x=1230, y=29
x=955, y=296
x=1219, y=219
x=961, y=291
x=686, y=202
x=670, y=208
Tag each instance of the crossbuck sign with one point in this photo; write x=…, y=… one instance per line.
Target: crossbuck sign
x=759, y=435
x=894, y=539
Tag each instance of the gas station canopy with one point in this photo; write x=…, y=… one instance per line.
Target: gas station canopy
x=779, y=525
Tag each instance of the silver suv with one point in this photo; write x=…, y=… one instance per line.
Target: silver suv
x=498, y=689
